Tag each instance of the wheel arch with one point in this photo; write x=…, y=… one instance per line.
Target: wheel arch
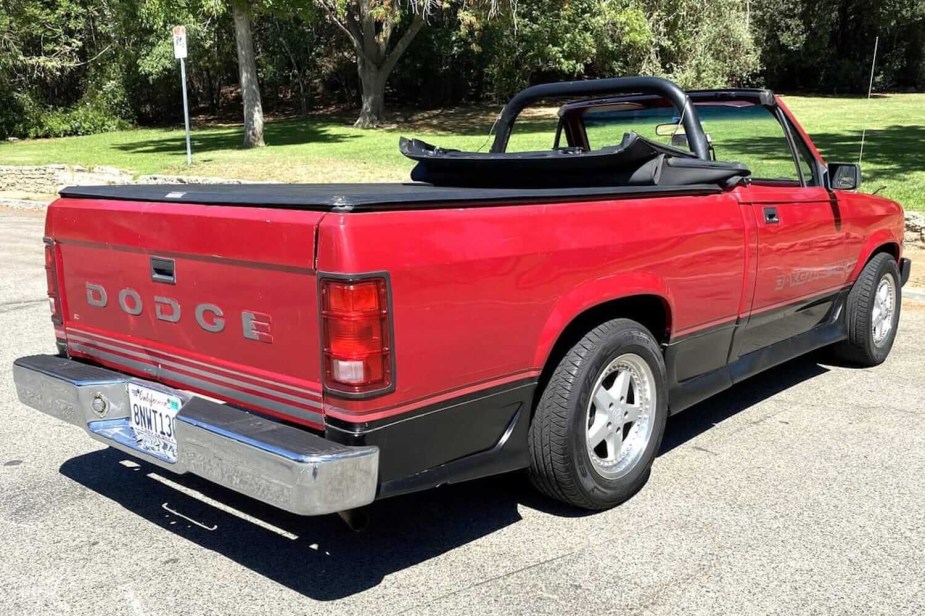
x=651, y=309
x=881, y=242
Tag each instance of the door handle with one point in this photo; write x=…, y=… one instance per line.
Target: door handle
x=770, y=216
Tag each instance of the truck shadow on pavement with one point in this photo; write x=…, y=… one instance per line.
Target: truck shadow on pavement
x=319, y=557
x=703, y=416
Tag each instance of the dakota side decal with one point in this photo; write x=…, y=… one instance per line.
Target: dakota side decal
x=800, y=277
x=210, y=317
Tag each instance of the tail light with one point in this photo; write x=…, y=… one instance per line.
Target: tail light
x=51, y=279
x=356, y=332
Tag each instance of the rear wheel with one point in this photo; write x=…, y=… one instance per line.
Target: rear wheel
x=872, y=313
x=600, y=419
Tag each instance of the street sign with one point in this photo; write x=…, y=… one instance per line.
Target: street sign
x=179, y=42
x=179, y=52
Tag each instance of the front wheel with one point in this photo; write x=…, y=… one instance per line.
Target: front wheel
x=600, y=419
x=872, y=313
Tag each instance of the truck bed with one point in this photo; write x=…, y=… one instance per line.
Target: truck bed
x=368, y=197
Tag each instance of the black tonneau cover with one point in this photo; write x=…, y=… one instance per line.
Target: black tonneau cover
x=367, y=197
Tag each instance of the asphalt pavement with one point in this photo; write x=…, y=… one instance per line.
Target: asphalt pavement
x=801, y=491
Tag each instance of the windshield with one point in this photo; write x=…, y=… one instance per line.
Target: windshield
x=737, y=131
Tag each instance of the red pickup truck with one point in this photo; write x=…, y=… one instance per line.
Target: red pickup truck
x=317, y=347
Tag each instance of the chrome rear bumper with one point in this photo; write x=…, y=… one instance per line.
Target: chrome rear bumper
x=272, y=462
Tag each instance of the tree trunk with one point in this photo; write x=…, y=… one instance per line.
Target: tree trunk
x=372, y=81
x=247, y=71
x=303, y=98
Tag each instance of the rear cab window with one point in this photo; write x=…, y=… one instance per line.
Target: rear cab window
x=742, y=131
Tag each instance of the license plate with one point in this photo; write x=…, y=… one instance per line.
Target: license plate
x=152, y=417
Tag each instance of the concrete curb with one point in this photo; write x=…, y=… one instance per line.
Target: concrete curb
x=24, y=204
x=49, y=179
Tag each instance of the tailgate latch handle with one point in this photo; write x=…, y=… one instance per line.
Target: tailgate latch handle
x=163, y=270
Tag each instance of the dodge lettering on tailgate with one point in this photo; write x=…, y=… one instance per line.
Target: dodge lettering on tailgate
x=211, y=318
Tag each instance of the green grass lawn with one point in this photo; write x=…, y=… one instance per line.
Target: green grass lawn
x=327, y=148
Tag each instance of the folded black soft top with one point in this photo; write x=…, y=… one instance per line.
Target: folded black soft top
x=635, y=161
x=366, y=197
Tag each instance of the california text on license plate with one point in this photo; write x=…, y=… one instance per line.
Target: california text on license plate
x=152, y=417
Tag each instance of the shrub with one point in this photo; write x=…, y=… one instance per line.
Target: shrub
x=11, y=114
x=82, y=119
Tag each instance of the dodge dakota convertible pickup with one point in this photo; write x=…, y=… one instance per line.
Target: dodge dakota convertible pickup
x=543, y=307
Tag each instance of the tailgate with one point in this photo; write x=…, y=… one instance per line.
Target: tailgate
x=221, y=301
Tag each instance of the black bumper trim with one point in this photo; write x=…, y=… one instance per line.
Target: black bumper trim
x=476, y=435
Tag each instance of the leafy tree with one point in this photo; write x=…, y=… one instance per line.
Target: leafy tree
x=49, y=53
x=548, y=39
x=150, y=70
x=703, y=44
x=299, y=48
x=372, y=26
x=369, y=25
x=828, y=45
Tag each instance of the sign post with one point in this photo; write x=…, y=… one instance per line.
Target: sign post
x=179, y=52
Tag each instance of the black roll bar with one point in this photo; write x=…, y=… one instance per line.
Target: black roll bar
x=606, y=87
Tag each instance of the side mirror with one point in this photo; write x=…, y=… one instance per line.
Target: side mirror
x=844, y=176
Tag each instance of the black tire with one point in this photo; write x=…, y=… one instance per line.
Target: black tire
x=861, y=348
x=560, y=463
